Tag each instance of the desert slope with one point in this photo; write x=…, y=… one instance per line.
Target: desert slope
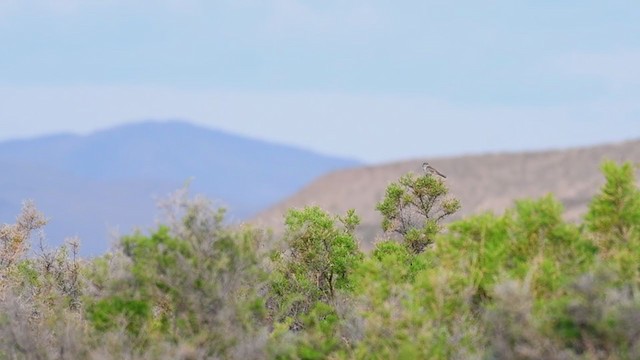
x=489, y=182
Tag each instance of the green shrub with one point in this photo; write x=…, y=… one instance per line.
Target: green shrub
x=525, y=284
x=614, y=214
x=194, y=279
x=108, y=313
x=318, y=260
x=414, y=208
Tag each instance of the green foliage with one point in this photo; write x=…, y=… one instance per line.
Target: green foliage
x=529, y=242
x=318, y=260
x=414, y=208
x=525, y=284
x=321, y=323
x=598, y=312
x=452, y=293
x=196, y=279
x=391, y=252
x=108, y=313
x=159, y=250
x=614, y=214
x=318, y=341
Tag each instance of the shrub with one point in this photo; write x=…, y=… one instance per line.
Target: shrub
x=414, y=208
x=14, y=239
x=318, y=260
x=40, y=294
x=614, y=214
x=521, y=285
x=195, y=278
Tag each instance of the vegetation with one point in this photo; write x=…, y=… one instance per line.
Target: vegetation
x=521, y=285
x=414, y=208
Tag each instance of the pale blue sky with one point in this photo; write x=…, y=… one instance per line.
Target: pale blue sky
x=373, y=80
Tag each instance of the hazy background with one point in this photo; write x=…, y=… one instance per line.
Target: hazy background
x=370, y=80
x=259, y=103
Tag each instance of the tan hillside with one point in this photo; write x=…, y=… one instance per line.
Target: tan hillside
x=481, y=182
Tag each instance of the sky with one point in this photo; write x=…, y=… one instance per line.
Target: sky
x=372, y=80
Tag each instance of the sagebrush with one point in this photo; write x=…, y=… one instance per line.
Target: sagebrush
x=524, y=284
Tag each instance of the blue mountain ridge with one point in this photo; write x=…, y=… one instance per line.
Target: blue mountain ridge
x=109, y=180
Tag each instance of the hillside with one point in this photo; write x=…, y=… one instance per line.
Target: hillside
x=111, y=179
x=489, y=182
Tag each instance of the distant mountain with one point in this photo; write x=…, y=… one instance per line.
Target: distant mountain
x=482, y=182
x=110, y=179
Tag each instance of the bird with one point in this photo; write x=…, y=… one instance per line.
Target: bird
x=430, y=170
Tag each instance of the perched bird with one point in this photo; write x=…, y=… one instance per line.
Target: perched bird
x=430, y=170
